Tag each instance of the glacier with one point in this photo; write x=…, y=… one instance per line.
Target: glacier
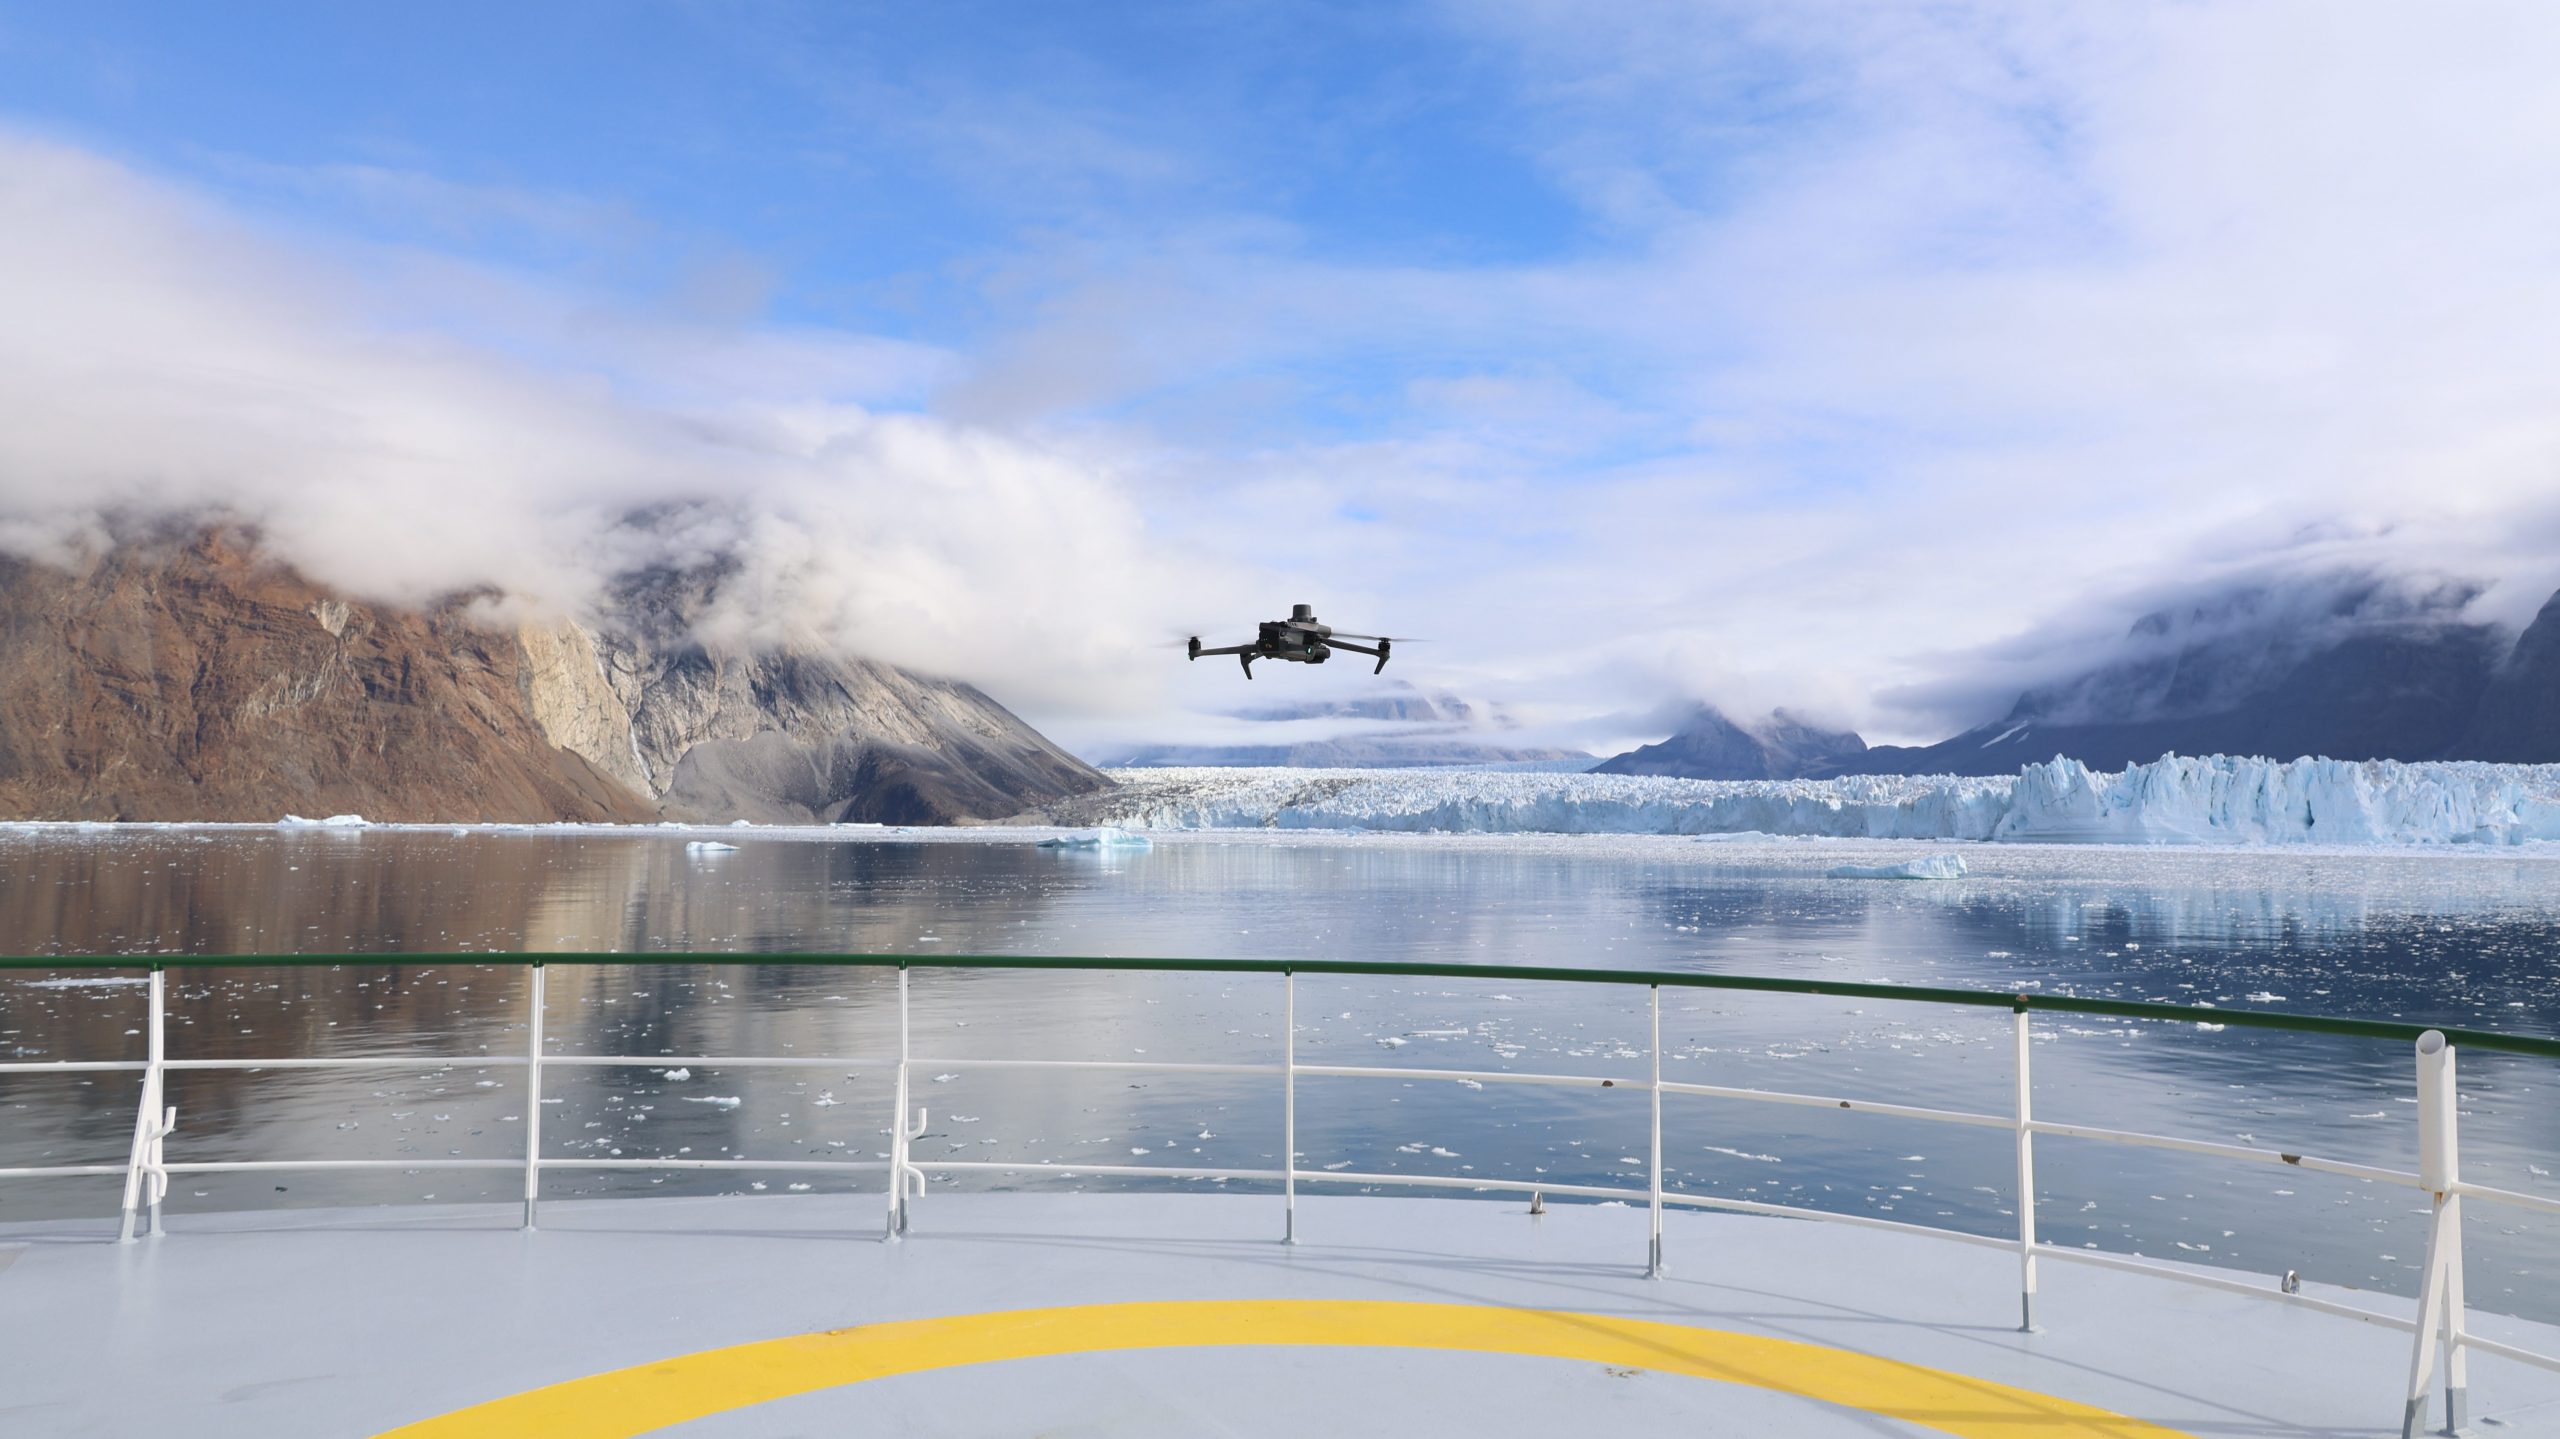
x=2216, y=799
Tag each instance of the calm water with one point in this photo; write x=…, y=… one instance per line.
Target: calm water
x=2461, y=938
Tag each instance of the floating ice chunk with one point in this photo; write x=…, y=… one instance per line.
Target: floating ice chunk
x=1107, y=837
x=335, y=821
x=1392, y=1041
x=2211, y=1028
x=709, y=846
x=2263, y=997
x=679, y=1074
x=716, y=1101
x=67, y=983
x=1927, y=866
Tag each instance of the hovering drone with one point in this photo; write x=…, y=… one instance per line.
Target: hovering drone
x=1298, y=639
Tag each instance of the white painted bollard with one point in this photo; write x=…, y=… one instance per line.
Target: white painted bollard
x=2440, y=1300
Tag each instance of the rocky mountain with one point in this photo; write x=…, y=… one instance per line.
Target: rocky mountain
x=189, y=678
x=2518, y=720
x=1396, y=726
x=1710, y=746
x=2348, y=668
x=796, y=736
x=2352, y=670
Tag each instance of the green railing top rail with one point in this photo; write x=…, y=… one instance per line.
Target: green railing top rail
x=2547, y=1048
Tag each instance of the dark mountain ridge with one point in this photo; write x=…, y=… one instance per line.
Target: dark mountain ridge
x=2352, y=667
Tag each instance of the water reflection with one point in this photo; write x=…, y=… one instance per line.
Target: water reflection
x=2441, y=938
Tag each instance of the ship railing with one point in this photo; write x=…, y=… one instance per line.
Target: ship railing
x=2438, y=1322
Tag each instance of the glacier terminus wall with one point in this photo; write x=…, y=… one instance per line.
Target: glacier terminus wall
x=2173, y=800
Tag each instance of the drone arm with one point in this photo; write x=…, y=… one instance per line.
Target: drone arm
x=1227, y=650
x=1337, y=642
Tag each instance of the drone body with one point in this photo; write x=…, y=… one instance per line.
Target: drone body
x=1299, y=639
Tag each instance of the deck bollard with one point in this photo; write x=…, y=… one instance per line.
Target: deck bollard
x=2440, y=1302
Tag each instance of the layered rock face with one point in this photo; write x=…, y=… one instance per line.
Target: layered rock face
x=189, y=679
x=794, y=736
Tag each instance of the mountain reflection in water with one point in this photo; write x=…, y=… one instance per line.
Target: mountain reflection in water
x=2466, y=938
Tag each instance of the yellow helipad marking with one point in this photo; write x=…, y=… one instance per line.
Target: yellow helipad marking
x=628, y=1402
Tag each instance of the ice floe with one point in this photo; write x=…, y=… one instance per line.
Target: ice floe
x=1105, y=837
x=1927, y=866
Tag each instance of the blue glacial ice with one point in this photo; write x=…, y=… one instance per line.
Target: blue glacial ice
x=2173, y=800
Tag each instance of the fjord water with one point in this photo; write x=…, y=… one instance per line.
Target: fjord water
x=2437, y=936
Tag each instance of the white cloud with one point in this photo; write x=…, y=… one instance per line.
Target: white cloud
x=1919, y=329
x=161, y=354
x=1908, y=352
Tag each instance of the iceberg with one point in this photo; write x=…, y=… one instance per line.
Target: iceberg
x=1928, y=866
x=2176, y=799
x=1106, y=837
x=709, y=846
x=335, y=821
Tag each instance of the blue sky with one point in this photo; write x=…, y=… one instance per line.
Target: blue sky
x=1869, y=359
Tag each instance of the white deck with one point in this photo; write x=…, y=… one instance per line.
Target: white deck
x=351, y=1322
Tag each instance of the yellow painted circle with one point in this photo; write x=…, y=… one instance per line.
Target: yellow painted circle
x=634, y=1401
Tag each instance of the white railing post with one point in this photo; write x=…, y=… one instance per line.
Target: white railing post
x=1289, y=1106
x=533, y=1095
x=1653, y=1250
x=145, y=1154
x=2440, y=1316
x=898, y=1122
x=2026, y=1175
x=156, y=1177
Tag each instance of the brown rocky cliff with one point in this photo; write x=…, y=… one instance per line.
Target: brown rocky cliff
x=194, y=681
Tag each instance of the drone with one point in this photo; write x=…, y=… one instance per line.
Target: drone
x=1299, y=639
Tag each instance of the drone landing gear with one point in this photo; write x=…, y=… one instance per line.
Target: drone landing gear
x=1247, y=662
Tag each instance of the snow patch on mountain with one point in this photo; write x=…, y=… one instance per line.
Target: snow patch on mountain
x=2174, y=800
